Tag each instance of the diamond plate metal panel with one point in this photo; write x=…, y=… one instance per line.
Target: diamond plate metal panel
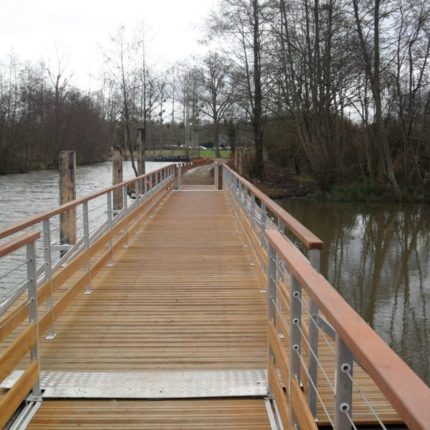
x=150, y=385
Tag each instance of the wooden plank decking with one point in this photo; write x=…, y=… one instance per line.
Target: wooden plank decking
x=237, y=414
x=183, y=296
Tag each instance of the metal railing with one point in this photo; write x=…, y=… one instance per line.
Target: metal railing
x=102, y=230
x=27, y=341
x=326, y=365
x=261, y=213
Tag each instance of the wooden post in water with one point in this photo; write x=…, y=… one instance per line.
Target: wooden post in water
x=117, y=177
x=141, y=157
x=67, y=167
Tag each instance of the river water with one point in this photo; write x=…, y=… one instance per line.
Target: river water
x=378, y=257
x=28, y=194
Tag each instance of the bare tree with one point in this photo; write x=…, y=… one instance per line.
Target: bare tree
x=218, y=85
x=241, y=24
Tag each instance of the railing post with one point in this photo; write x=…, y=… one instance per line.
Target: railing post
x=86, y=228
x=242, y=195
x=281, y=226
x=125, y=207
x=124, y=197
x=263, y=224
x=32, y=308
x=253, y=210
x=272, y=274
x=109, y=221
x=295, y=335
x=48, y=272
x=295, y=338
x=145, y=185
x=344, y=369
x=179, y=176
x=271, y=296
x=216, y=175
x=315, y=260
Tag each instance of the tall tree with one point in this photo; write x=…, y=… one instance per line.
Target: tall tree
x=241, y=24
x=218, y=88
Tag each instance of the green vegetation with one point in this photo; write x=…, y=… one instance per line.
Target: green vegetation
x=210, y=153
x=361, y=189
x=204, y=153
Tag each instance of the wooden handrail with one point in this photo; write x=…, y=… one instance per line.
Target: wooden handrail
x=399, y=383
x=69, y=205
x=309, y=239
x=18, y=242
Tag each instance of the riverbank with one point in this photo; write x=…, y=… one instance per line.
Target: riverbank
x=283, y=184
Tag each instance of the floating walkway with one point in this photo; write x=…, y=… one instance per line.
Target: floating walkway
x=189, y=309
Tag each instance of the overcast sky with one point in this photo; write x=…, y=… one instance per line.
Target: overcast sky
x=77, y=30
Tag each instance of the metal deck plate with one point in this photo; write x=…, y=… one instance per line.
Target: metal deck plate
x=150, y=385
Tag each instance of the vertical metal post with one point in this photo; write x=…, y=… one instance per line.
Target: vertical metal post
x=295, y=335
x=253, y=210
x=140, y=156
x=344, y=366
x=216, y=176
x=124, y=197
x=86, y=228
x=179, y=177
x=263, y=224
x=272, y=285
x=281, y=226
x=125, y=206
x=32, y=308
x=271, y=306
x=243, y=196
x=145, y=185
x=47, y=263
x=109, y=221
x=315, y=260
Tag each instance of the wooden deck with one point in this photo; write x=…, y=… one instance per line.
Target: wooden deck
x=182, y=296
x=185, y=295
x=238, y=414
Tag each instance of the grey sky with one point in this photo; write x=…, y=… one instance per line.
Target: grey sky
x=78, y=29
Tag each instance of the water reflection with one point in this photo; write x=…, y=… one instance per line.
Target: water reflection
x=377, y=256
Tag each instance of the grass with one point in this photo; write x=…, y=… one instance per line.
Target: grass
x=210, y=153
x=204, y=153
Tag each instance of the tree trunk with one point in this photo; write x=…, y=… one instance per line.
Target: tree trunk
x=257, y=114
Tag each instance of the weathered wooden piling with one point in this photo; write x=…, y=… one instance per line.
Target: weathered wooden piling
x=67, y=168
x=117, y=177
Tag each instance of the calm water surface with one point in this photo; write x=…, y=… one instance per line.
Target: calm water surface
x=28, y=194
x=378, y=257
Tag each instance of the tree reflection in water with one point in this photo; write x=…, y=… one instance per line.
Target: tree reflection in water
x=377, y=256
